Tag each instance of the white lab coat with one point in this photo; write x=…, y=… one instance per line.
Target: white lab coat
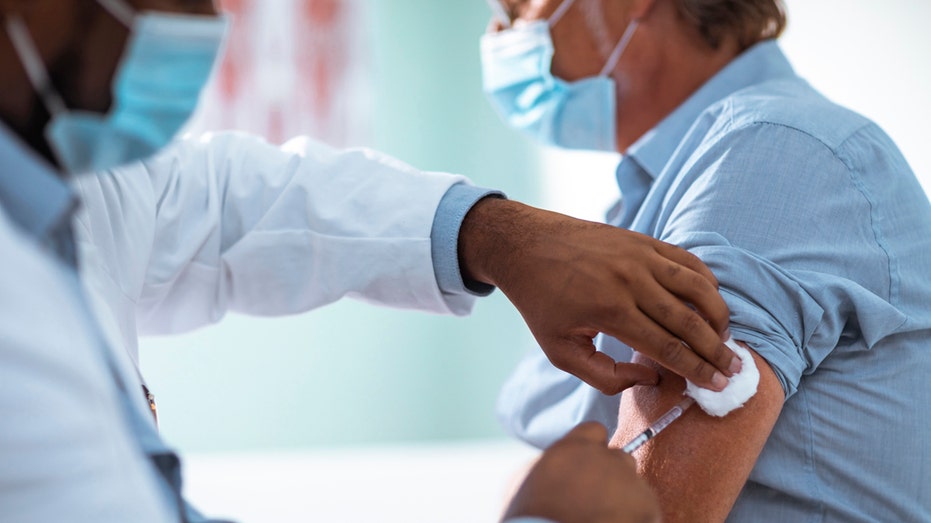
x=222, y=223
x=228, y=222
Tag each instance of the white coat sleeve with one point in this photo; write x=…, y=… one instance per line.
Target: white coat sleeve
x=228, y=222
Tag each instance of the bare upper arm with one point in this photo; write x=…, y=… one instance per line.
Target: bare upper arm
x=700, y=463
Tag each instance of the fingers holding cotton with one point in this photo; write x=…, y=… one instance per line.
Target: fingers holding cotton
x=740, y=388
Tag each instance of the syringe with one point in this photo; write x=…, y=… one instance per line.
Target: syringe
x=658, y=425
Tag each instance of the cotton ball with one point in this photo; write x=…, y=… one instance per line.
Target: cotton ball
x=740, y=388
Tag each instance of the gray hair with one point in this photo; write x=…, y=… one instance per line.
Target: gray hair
x=749, y=21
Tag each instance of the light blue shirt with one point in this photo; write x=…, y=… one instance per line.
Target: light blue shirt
x=820, y=237
x=76, y=438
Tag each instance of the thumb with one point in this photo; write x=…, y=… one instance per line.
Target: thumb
x=577, y=355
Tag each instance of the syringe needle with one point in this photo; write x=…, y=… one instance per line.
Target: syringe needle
x=658, y=425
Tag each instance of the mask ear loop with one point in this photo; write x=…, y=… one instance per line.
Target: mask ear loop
x=561, y=10
x=33, y=64
x=500, y=13
x=619, y=48
x=120, y=10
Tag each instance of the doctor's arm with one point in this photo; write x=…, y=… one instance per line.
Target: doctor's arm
x=572, y=279
x=228, y=222
x=699, y=464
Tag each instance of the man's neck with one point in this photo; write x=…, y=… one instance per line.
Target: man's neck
x=671, y=63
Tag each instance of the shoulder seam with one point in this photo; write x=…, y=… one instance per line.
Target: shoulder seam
x=878, y=236
x=892, y=286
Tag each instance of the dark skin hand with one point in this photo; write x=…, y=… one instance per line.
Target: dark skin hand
x=571, y=279
x=580, y=480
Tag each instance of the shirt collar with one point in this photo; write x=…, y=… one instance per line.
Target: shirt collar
x=31, y=194
x=763, y=62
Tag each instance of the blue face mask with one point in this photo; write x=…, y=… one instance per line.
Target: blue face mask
x=167, y=61
x=516, y=76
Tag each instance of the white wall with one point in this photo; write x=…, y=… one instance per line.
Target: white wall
x=874, y=58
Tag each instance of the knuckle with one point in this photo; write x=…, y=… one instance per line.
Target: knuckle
x=609, y=305
x=671, y=352
x=692, y=323
x=622, y=315
x=663, y=310
x=698, y=281
x=625, y=272
x=644, y=336
x=673, y=269
x=702, y=370
x=618, y=317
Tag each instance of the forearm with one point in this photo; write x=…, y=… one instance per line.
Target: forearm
x=698, y=465
x=494, y=234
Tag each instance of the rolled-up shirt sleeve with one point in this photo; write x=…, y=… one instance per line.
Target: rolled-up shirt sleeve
x=787, y=235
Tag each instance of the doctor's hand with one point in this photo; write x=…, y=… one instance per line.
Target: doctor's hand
x=571, y=279
x=580, y=480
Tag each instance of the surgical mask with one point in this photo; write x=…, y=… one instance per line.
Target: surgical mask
x=516, y=75
x=167, y=61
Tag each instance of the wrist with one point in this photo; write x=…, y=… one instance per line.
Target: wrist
x=489, y=239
